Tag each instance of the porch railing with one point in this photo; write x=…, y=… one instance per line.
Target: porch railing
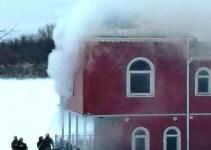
x=73, y=142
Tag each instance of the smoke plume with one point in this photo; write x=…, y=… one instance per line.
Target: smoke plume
x=149, y=18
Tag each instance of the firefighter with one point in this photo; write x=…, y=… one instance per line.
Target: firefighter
x=48, y=142
x=14, y=144
x=22, y=145
x=40, y=143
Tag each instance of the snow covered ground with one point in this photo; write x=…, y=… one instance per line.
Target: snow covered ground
x=28, y=108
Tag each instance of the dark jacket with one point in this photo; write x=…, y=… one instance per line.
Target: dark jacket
x=22, y=146
x=41, y=145
x=14, y=145
x=48, y=142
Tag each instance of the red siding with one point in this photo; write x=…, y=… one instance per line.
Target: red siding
x=200, y=133
x=75, y=103
x=115, y=133
x=105, y=77
x=198, y=104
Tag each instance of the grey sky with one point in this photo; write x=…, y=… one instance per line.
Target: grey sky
x=29, y=15
x=153, y=15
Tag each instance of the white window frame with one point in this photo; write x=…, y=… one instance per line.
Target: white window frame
x=152, y=78
x=146, y=137
x=200, y=76
x=178, y=137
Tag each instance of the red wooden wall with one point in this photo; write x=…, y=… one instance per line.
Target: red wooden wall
x=104, y=79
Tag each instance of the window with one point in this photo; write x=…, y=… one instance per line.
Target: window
x=140, y=139
x=202, y=82
x=172, y=139
x=140, y=77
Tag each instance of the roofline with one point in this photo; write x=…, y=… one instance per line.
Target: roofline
x=135, y=39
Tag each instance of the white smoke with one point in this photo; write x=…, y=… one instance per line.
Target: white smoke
x=68, y=34
x=186, y=18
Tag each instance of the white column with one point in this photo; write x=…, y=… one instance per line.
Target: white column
x=76, y=136
x=69, y=128
x=62, y=118
x=188, y=61
x=85, y=136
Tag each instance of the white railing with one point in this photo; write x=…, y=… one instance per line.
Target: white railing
x=80, y=141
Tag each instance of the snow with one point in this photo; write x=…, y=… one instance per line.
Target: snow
x=29, y=109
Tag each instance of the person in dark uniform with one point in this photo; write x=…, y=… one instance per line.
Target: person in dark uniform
x=48, y=142
x=22, y=145
x=40, y=143
x=14, y=144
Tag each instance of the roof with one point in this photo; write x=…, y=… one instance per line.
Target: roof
x=200, y=48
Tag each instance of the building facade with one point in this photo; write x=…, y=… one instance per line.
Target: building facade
x=143, y=94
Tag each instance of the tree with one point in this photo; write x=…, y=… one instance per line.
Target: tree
x=27, y=55
x=5, y=32
x=46, y=32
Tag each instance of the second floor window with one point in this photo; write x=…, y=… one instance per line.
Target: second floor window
x=202, y=82
x=140, y=77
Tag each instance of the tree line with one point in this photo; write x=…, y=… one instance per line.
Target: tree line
x=27, y=55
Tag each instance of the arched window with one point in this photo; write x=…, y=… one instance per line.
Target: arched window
x=202, y=82
x=172, y=139
x=140, y=139
x=140, y=77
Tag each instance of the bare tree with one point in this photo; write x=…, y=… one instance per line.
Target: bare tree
x=4, y=32
x=46, y=32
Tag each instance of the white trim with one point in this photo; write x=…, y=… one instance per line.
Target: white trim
x=152, y=78
x=178, y=135
x=200, y=114
x=188, y=61
x=200, y=76
x=132, y=39
x=201, y=58
x=141, y=115
x=151, y=115
x=146, y=137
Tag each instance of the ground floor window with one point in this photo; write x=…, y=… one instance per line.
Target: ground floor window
x=172, y=139
x=140, y=139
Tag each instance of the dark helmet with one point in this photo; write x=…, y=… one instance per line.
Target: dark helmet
x=21, y=139
x=40, y=138
x=15, y=137
x=47, y=135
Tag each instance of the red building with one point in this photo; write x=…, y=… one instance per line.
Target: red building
x=143, y=94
